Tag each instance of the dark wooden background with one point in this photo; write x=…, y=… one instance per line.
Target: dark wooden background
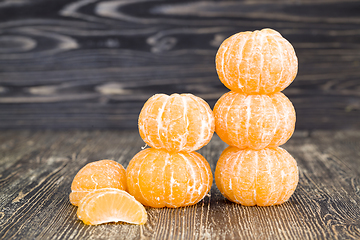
x=92, y=64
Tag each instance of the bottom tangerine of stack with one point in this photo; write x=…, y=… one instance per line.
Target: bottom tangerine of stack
x=159, y=178
x=256, y=177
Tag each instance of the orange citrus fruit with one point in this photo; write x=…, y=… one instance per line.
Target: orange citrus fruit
x=259, y=62
x=110, y=205
x=176, y=122
x=159, y=178
x=254, y=121
x=256, y=177
x=97, y=175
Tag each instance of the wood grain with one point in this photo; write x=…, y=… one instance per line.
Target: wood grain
x=37, y=168
x=92, y=64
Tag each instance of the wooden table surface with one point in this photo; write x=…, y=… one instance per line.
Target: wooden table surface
x=37, y=168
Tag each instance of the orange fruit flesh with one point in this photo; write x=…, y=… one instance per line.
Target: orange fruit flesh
x=256, y=177
x=111, y=205
x=158, y=178
x=176, y=123
x=259, y=62
x=254, y=121
x=97, y=175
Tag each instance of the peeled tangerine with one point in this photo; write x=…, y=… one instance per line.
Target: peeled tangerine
x=256, y=177
x=110, y=205
x=254, y=121
x=97, y=175
x=176, y=122
x=259, y=62
x=158, y=178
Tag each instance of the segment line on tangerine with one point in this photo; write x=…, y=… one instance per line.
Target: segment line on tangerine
x=198, y=163
x=207, y=127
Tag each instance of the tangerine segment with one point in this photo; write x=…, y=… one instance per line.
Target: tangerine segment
x=254, y=121
x=176, y=122
x=96, y=175
x=259, y=62
x=110, y=205
x=159, y=178
x=256, y=177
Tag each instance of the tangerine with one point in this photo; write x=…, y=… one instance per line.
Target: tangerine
x=254, y=121
x=176, y=122
x=159, y=178
x=259, y=62
x=256, y=177
x=97, y=175
x=110, y=205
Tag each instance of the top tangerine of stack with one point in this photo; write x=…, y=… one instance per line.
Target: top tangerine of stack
x=179, y=122
x=259, y=62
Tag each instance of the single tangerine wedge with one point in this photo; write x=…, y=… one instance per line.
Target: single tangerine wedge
x=254, y=121
x=259, y=62
x=176, y=122
x=256, y=177
x=110, y=205
x=97, y=175
x=158, y=178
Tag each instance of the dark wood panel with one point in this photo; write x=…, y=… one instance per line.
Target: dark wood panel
x=37, y=168
x=92, y=64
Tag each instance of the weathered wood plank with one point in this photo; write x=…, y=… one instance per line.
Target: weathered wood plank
x=37, y=167
x=92, y=64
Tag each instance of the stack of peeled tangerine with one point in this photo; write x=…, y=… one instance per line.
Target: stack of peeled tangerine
x=254, y=118
x=170, y=173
